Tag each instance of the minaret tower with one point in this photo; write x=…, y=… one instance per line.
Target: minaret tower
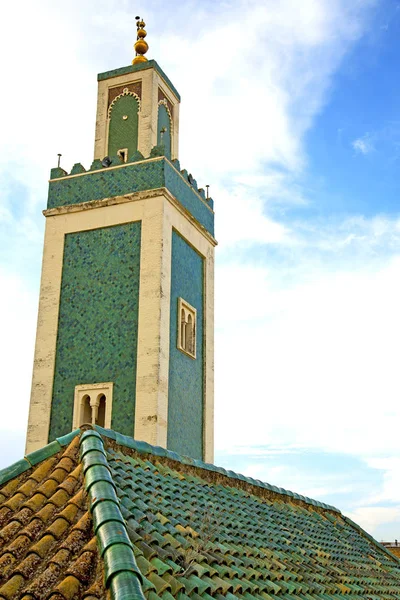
x=125, y=334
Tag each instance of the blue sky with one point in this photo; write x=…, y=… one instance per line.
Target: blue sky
x=291, y=112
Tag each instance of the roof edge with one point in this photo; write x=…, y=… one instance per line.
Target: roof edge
x=369, y=537
x=145, y=448
x=33, y=458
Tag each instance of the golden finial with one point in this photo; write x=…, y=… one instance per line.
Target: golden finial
x=141, y=46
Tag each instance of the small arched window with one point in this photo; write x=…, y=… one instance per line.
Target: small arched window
x=101, y=414
x=86, y=411
x=186, y=328
x=93, y=404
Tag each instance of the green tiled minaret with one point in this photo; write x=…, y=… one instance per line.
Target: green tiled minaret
x=125, y=327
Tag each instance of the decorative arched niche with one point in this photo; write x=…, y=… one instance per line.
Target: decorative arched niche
x=164, y=127
x=123, y=128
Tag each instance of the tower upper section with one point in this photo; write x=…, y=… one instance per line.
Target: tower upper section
x=136, y=143
x=137, y=109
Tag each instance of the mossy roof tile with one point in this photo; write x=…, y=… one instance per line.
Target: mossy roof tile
x=171, y=527
x=38, y=544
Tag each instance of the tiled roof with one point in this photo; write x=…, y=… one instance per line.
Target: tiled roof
x=143, y=522
x=47, y=544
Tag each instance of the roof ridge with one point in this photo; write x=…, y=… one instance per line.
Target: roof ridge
x=52, y=448
x=146, y=448
x=121, y=573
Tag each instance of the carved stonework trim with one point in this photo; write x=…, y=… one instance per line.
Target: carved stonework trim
x=168, y=103
x=136, y=88
x=164, y=103
x=125, y=92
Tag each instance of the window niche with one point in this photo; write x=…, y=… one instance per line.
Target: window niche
x=123, y=154
x=93, y=404
x=186, y=328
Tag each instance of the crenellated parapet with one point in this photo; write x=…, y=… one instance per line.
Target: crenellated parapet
x=119, y=179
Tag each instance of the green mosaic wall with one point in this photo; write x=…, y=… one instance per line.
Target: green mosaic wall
x=97, y=329
x=185, y=392
x=164, y=123
x=129, y=178
x=123, y=131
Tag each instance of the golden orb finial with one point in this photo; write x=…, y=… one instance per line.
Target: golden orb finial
x=141, y=46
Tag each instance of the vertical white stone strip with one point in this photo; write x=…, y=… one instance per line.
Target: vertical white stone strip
x=100, y=141
x=147, y=117
x=46, y=338
x=208, y=423
x=175, y=133
x=151, y=411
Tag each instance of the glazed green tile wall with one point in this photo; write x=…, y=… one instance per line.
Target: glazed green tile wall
x=176, y=184
x=123, y=131
x=185, y=391
x=97, y=330
x=132, y=177
x=164, y=123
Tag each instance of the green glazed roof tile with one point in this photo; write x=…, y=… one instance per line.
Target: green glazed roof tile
x=126, y=586
x=14, y=470
x=38, y=455
x=65, y=440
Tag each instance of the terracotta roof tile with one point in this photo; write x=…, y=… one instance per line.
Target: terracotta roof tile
x=82, y=568
x=42, y=583
x=7, y=562
x=46, y=513
x=68, y=588
x=10, y=589
x=36, y=502
x=27, y=568
x=47, y=543
x=60, y=498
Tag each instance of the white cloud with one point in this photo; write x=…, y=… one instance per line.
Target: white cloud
x=390, y=467
x=372, y=518
x=18, y=308
x=364, y=144
x=313, y=362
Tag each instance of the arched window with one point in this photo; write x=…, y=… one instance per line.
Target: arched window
x=86, y=412
x=101, y=414
x=186, y=328
x=93, y=404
